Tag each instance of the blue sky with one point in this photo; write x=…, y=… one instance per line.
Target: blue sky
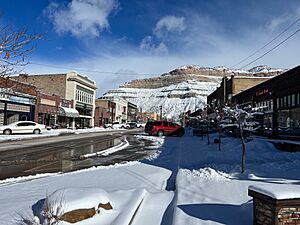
x=152, y=37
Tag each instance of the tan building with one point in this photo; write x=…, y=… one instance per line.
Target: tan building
x=145, y=116
x=70, y=86
x=233, y=86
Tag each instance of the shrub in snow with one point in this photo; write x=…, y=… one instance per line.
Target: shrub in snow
x=70, y=205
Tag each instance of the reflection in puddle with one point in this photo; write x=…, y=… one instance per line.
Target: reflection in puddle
x=61, y=160
x=65, y=157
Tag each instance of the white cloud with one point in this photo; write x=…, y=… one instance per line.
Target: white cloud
x=81, y=17
x=148, y=46
x=169, y=24
x=284, y=20
x=206, y=42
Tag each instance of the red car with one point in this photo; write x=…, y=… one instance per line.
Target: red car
x=161, y=128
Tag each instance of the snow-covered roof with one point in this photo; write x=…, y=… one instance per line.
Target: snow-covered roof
x=277, y=191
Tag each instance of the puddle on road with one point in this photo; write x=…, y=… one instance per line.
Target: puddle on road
x=62, y=160
x=68, y=158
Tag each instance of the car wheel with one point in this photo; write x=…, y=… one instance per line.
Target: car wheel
x=36, y=131
x=180, y=133
x=7, y=132
x=160, y=133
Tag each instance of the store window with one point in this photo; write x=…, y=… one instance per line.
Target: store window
x=284, y=101
x=293, y=100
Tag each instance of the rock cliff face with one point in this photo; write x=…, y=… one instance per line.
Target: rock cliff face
x=202, y=74
x=182, y=89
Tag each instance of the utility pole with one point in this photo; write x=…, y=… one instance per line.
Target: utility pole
x=161, y=115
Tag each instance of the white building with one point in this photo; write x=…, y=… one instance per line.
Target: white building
x=121, y=108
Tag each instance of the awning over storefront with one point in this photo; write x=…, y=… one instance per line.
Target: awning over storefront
x=68, y=112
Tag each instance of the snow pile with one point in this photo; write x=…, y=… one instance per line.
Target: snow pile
x=126, y=185
x=69, y=199
x=206, y=174
x=124, y=144
x=157, y=141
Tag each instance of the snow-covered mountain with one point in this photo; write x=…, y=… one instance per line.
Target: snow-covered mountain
x=182, y=89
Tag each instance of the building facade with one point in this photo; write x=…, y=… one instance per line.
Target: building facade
x=132, y=111
x=47, y=108
x=121, y=105
x=104, y=112
x=230, y=87
x=71, y=86
x=17, y=101
x=278, y=99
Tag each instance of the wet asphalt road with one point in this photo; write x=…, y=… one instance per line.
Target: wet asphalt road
x=64, y=153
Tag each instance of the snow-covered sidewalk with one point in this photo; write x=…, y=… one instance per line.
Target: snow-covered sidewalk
x=206, y=183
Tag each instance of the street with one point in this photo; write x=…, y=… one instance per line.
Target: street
x=65, y=153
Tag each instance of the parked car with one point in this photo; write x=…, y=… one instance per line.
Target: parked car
x=117, y=125
x=161, y=128
x=140, y=124
x=132, y=125
x=22, y=127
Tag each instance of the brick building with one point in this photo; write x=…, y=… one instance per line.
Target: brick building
x=47, y=109
x=70, y=86
x=233, y=86
x=17, y=101
x=279, y=99
x=104, y=112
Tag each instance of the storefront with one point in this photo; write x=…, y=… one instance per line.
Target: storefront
x=84, y=120
x=67, y=116
x=17, y=107
x=279, y=100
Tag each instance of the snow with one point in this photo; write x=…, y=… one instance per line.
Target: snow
x=109, y=151
x=278, y=191
x=51, y=133
x=172, y=98
x=69, y=199
x=205, y=185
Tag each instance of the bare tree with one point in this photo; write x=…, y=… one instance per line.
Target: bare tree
x=240, y=116
x=15, y=47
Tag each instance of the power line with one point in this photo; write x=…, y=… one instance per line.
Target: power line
x=272, y=48
x=258, y=50
x=94, y=71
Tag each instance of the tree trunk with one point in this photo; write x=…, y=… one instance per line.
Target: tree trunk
x=243, y=149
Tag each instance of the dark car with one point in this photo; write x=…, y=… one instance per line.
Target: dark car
x=166, y=128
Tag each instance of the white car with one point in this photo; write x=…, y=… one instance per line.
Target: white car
x=22, y=127
x=140, y=125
